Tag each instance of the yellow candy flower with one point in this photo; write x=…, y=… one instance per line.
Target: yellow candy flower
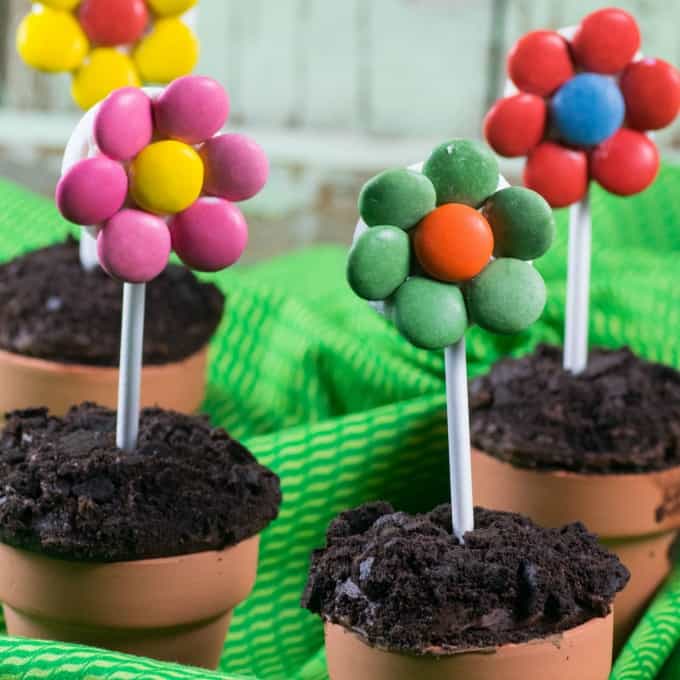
x=170, y=8
x=168, y=52
x=106, y=69
x=52, y=38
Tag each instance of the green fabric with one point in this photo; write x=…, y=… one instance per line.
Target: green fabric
x=327, y=394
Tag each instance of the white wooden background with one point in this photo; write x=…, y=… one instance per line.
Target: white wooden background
x=333, y=89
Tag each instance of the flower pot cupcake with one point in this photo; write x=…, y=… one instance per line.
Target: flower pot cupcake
x=589, y=438
x=401, y=597
x=60, y=334
x=138, y=532
x=145, y=551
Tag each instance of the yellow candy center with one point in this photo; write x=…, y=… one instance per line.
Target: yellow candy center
x=166, y=177
x=51, y=40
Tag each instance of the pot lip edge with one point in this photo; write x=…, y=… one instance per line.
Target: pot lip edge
x=52, y=366
x=553, y=639
x=583, y=476
x=144, y=562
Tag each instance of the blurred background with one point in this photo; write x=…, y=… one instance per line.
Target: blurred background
x=334, y=91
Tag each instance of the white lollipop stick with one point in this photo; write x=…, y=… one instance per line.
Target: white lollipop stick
x=578, y=287
x=458, y=419
x=130, y=373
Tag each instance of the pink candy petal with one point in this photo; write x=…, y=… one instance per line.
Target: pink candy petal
x=191, y=109
x=124, y=123
x=134, y=246
x=210, y=235
x=236, y=167
x=92, y=191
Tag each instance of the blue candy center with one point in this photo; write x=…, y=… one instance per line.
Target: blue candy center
x=587, y=109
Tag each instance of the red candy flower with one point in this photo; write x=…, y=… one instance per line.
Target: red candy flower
x=583, y=105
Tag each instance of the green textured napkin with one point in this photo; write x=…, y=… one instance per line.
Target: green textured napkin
x=327, y=394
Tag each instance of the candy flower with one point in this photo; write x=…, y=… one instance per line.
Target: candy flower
x=583, y=106
x=108, y=44
x=450, y=244
x=160, y=177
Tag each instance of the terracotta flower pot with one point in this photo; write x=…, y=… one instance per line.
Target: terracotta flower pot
x=583, y=653
x=172, y=608
x=637, y=517
x=27, y=382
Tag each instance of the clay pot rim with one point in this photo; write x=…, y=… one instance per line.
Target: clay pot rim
x=443, y=652
x=52, y=366
x=570, y=474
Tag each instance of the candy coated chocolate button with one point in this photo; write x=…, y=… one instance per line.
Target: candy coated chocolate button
x=626, y=163
x=559, y=174
x=462, y=171
x=522, y=223
x=60, y=4
x=514, y=125
x=169, y=51
x=124, y=123
x=507, y=297
x=378, y=262
x=651, y=88
x=191, y=109
x=399, y=197
x=210, y=235
x=171, y=7
x=453, y=243
x=429, y=314
x=166, y=177
x=134, y=246
x=104, y=71
x=588, y=109
x=113, y=22
x=539, y=62
x=606, y=40
x=51, y=40
x=236, y=167
x=92, y=191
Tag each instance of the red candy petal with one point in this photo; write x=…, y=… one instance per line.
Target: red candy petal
x=626, y=163
x=113, y=22
x=651, y=88
x=539, y=62
x=559, y=174
x=514, y=125
x=606, y=41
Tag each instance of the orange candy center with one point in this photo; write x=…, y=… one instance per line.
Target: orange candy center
x=453, y=243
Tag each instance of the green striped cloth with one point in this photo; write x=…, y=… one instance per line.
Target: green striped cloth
x=328, y=395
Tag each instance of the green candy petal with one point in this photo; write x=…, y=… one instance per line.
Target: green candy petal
x=507, y=297
x=462, y=171
x=398, y=197
x=429, y=314
x=378, y=262
x=522, y=222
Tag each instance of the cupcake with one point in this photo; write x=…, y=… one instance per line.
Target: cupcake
x=402, y=597
x=60, y=333
x=146, y=551
x=602, y=445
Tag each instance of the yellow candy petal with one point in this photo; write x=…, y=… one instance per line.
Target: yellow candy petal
x=60, y=4
x=168, y=52
x=169, y=8
x=166, y=177
x=105, y=70
x=51, y=40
